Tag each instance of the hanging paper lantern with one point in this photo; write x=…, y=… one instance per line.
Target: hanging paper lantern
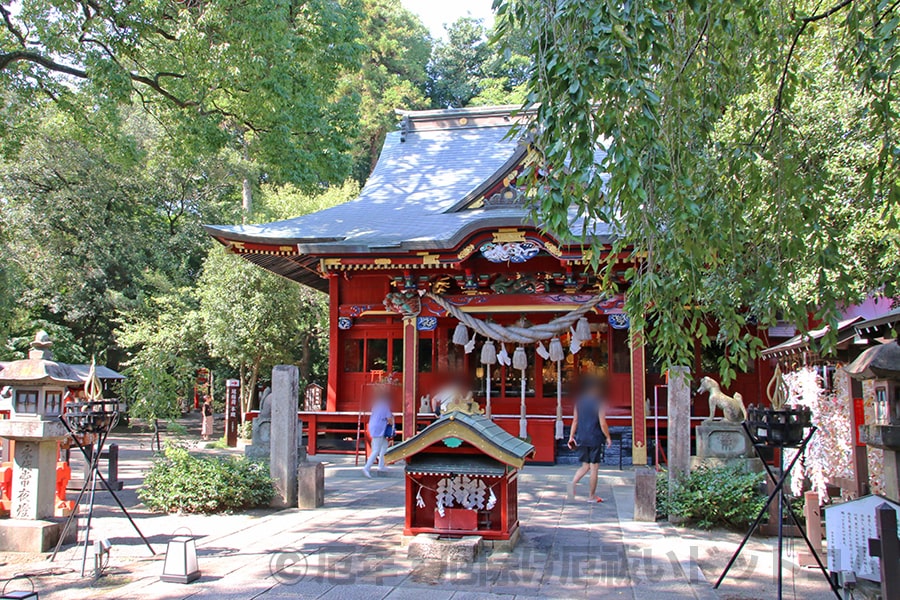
x=556, y=350
x=489, y=353
x=460, y=335
x=520, y=359
x=542, y=351
x=503, y=356
x=583, y=330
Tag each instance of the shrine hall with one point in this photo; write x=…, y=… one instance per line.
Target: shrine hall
x=437, y=269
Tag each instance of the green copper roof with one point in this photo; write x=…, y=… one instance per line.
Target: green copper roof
x=477, y=430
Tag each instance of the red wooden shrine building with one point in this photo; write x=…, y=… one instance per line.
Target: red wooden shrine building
x=441, y=215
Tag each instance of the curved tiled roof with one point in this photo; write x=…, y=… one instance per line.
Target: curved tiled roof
x=428, y=171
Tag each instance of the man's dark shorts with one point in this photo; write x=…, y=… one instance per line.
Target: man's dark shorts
x=590, y=454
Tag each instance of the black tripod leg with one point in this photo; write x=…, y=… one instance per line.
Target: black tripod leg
x=87, y=530
x=71, y=518
x=779, y=485
x=124, y=510
x=759, y=518
x=812, y=551
x=81, y=494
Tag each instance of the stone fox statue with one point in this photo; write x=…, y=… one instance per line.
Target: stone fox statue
x=732, y=408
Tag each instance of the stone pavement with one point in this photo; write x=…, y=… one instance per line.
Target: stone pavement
x=351, y=549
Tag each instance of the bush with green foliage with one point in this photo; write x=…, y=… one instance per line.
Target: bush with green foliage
x=245, y=430
x=708, y=497
x=179, y=481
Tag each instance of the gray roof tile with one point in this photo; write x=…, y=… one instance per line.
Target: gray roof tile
x=408, y=201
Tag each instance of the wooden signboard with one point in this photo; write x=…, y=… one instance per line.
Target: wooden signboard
x=232, y=411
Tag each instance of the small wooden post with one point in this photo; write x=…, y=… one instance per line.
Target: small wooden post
x=679, y=425
x=644, y=494
x=812, y=513
x=410, y=375
x=887, y=548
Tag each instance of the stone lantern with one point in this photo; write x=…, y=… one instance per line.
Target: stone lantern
x=881, y=365
x=35, y=387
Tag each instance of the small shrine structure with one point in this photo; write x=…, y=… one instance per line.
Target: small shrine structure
x=462, y=476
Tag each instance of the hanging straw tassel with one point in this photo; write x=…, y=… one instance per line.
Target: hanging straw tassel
x=489, y=353
x=542, y=351
x=556, y=350
x=583, y=330
x=460, y=335
x=520, y=359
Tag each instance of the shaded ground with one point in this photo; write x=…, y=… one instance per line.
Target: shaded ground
x=351, y=549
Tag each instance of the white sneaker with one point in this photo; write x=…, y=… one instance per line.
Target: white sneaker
x=366, y=472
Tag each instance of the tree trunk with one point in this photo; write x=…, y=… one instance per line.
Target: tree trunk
x=246, y=184
x=250, y=386
x=305, y=358
x=156, y=436
x=246, y=197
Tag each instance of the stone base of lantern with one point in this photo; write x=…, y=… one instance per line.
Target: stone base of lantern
x=432, y=546
x=23, y=535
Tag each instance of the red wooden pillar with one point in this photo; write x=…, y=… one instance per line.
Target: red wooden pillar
x=333, y=342
x=638, y=395
x=860, y=450
x=410, y=375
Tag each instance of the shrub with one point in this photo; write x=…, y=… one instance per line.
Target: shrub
x=179, y=481
x=708, y=497
x=245, y=430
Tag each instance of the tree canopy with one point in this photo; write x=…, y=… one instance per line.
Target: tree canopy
x=468, y=69
x=259, y=75
x=745, y=153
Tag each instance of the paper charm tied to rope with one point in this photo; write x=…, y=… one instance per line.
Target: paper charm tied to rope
x=460, y=491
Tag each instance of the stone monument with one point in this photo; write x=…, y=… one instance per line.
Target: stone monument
x=260, y=444
x=298, y=483
x=38, y=385
x=723, y=441
x=285, y=400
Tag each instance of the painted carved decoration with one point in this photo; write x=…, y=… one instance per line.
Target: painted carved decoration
x=407, y=304
x=521, y=285
x=513, y=252
x=345, y=323
x=619, y=321
x=426, y=323
x=508, y=197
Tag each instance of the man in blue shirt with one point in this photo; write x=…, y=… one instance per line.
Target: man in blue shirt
x=590, y=434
